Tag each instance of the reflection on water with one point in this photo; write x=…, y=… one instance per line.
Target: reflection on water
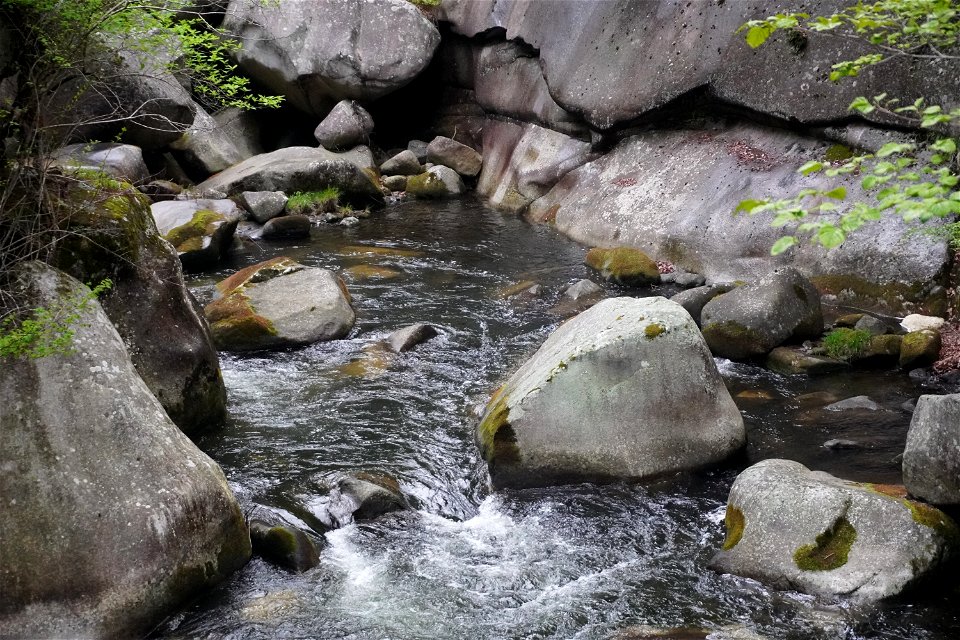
x=572, y=562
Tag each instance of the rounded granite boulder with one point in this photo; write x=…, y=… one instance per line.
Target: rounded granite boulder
x=626, y=390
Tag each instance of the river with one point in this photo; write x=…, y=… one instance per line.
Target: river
x=579, y=561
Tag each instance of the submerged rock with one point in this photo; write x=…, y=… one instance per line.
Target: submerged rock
x=623, y=265
x=347, y=125
x=408, y=337
x=625, y=390
x=931, y=460
x=793, y=528
x=142, y=517
x=365, y=496
x=751, y=320
x=200, y=230
x=856, y=403
x=279, y=303
x=787, y=360
x=583, y=289
x=284, y=546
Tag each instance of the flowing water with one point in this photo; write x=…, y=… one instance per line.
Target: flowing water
x=578, y=561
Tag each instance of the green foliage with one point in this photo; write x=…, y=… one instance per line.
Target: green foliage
x=72, y=33
x=914, y=180
x=845, y=343
x=314, y=200
x=426, y=3
x=46, y=331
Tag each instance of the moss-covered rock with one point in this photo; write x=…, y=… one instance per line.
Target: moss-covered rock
x=751, y=320
x=94, y=471
x=200, y=230
x=113, y=235
x=891, y=297
x=920, y=348
x=570, y=413
x=624, y=265
x=279, y=303
x=812, y=532
x=284, y=545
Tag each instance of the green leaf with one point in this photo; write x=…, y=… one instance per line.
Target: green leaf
x=758, y=34
x=838, y=193
x=830, y=236
x=862, y=105
x=747, y=206
x=782, y=245
x=945, y=145
x=894, y=147
x=810, y=167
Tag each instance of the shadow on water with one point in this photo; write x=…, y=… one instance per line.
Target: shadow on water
x=574, y=562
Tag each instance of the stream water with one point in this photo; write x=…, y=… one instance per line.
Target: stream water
x=578, y=561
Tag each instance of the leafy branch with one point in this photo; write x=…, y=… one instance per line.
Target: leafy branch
x=916, y=180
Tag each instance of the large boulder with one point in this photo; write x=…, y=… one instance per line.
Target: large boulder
x=347, y=125
x=305, y=169
x=793, y=528
x=213, y=144
x=600, y=59
x=931, y=460
x=279, y=303
x=672, y=194
x=523, y=162
x=317, y=54
x=113, y=235
x=625, y=390
x=118, y=161
x=753, y=319
x=95, y=477
x=200, y=230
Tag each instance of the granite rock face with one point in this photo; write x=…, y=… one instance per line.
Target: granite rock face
x=145, y=519
x=318, y=53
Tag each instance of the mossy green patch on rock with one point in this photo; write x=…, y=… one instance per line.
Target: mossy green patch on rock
x=920, y=348
x=830, y=550
x=426, y=185
x=189, y=236
x=624, y=265
x=735, y=524
x=737, y=340
x=234, y=323
x=935, y=519
x=838, y=153
x=846, y=344
x=496, y=438
x=890, y=296
x=653, y=330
